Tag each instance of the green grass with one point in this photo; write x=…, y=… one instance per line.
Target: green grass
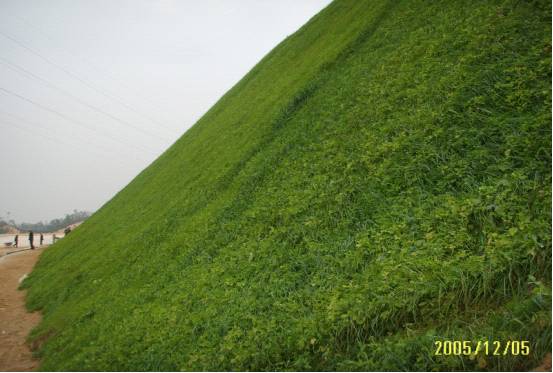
x=379, y=181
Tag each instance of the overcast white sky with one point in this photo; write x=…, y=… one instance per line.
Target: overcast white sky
x=91, y=92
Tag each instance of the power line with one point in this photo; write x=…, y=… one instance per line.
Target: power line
x=111, y=97
x=67, y=118
x=94, y=67
x=58, y=141
x=117, y=161
x=35, y=126
x=23, y=71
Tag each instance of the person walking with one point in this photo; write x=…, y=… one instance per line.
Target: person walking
x=31, y=238
x=16, y=240
x=41, y=239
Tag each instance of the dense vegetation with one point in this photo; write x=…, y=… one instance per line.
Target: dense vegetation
x=379, y=181
x=55, y=224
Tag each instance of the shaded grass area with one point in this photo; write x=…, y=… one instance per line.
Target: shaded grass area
x=379, y=181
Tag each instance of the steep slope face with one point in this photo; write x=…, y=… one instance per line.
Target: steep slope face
x=379, y=181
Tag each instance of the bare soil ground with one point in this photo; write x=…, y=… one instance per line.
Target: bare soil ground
x=15, y=321
x=545, y=365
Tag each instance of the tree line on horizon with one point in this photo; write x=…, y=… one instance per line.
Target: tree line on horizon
x=52, y=225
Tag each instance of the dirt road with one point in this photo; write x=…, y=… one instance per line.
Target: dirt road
x=15, y=321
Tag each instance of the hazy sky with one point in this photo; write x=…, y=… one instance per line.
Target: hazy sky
x=91, y=92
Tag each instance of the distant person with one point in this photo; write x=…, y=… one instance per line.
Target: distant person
x=67, y=231
x=41, y=239
x=31, y=238
x=16, y=240
x=54, y=238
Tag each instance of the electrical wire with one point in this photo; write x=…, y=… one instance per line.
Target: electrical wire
x=65, y=117
x=61, y=142
x=48, y=84
x=105, y=151
x=74, y=76
x=113, y=161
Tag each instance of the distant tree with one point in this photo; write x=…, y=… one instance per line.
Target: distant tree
x=3, y=226
x=55, y=224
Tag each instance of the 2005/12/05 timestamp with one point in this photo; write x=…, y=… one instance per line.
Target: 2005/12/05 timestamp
x=496, y=348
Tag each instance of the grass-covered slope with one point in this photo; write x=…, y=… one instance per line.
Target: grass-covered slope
x=379, y=181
